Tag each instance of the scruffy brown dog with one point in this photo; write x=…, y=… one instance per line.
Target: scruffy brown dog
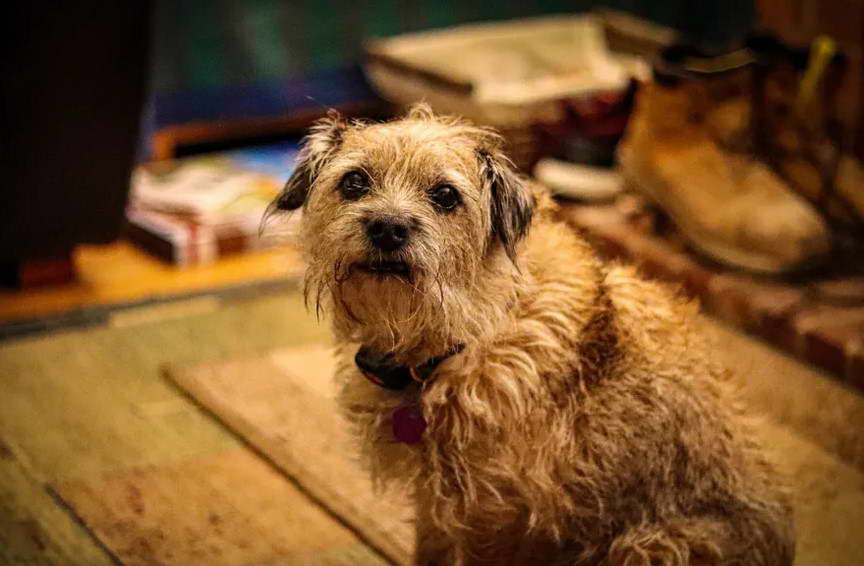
x=544, y=408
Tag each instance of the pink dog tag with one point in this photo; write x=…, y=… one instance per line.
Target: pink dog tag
x=408, y=424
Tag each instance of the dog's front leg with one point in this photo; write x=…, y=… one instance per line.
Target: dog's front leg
x=433, y=546
x=433, y=555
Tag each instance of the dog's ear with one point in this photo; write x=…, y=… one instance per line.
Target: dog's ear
x=512, y=202
x=318, y=147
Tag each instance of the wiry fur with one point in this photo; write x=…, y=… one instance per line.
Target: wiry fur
x=584, y=422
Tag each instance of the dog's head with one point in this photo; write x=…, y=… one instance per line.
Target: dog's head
x=402, y=216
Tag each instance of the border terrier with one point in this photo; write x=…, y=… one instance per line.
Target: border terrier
x=542, y=407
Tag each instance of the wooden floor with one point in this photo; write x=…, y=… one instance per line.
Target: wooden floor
x=122, y=273
x=86, y=413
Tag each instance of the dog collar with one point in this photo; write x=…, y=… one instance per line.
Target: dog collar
x=382, y=371
x=407, y=422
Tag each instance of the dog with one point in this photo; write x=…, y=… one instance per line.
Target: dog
x=542, y=407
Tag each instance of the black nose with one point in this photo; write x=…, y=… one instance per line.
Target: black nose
x=387, y=234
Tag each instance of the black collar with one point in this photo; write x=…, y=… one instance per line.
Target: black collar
x=381, y=370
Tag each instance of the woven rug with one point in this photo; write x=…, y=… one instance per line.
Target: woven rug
x=281, y=404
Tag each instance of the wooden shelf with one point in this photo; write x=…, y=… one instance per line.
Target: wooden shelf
x=121, y=273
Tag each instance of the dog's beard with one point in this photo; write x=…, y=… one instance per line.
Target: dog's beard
x=416, y=314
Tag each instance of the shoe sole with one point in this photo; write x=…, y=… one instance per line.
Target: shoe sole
x=715, y=249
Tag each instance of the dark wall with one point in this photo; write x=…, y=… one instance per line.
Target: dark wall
x=227, y=58
x=74, y=82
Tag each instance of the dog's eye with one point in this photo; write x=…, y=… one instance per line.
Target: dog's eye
x=353, y=185
x=445, y=197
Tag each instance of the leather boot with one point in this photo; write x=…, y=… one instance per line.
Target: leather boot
x=800, y=136
x=730, y=206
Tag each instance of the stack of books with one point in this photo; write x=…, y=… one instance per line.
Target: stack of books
x=194, y=210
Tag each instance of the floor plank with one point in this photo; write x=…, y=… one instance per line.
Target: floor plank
x=33, y=528
x=224, y=509
x=92, y=400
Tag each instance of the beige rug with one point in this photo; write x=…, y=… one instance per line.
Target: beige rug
x=281, y=404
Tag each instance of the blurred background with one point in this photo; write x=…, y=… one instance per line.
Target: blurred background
x=715, y=144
